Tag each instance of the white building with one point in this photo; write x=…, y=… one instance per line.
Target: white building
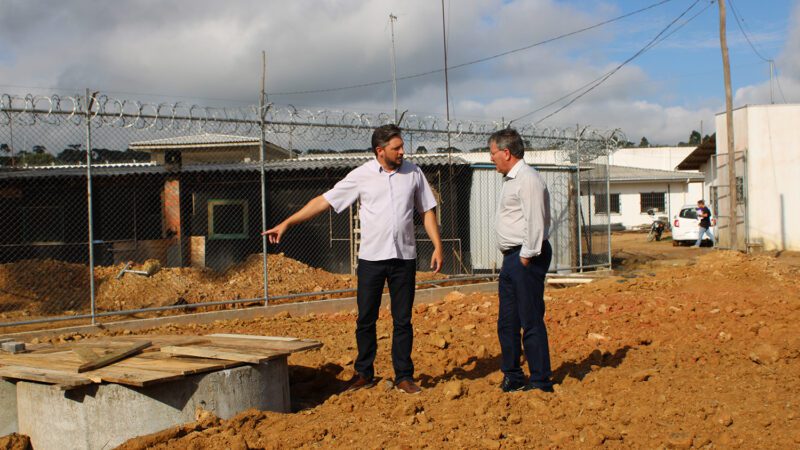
x=633, y=191
x=767, y=150
x=659, y=158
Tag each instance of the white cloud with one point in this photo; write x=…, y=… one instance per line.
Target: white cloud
x=207, y=49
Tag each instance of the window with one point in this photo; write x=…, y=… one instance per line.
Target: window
x=652, y=200
x=688, y=213
x=600, y=206
x=739, y=190
x=227, y=219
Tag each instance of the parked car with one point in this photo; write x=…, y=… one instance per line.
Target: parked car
x=686, y=226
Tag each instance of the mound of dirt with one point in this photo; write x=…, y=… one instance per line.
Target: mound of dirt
x=706, y=355
x=49, y=287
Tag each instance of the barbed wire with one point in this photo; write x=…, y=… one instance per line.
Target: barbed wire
x=318, y=125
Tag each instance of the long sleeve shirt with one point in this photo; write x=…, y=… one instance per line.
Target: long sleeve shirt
x=388, y=201
x=523, y=214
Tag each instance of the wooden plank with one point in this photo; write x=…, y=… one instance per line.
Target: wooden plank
x=183, y=365
x=113, y=357
x=63, y=380
x=160, y=339
x=286, y=346
x=86, y=354
x=130, y=376
x=56, y=361
x=256, y=337
x=215, y=352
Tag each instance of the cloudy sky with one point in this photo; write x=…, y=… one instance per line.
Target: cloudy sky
x=209, y=52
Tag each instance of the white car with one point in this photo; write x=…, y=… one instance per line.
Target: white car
x=686, y=226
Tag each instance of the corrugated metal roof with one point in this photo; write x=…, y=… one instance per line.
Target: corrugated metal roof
x=271, y=166
x=700, y=155
x=205, y=139
x=622, y=174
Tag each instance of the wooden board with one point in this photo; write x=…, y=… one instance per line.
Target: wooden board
x=184, y=365
x=256, y=337
x=113, y=357
x=61, y=379
x=169, y=358
x=130, y=376
x=253, y=356
x=264, y=342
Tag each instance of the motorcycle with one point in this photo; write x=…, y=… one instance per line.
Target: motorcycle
x=657, y=227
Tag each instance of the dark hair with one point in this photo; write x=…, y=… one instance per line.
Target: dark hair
x=510, y=139
x=701, y=202
x=383, y=134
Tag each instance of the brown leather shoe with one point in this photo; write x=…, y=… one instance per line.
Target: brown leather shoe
x=359, y=382
x=408, y=387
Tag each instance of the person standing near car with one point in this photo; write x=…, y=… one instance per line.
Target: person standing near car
x=704, y=214
x=390, y=189
x=522, y=229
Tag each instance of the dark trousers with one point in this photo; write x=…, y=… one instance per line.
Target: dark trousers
x=521, y=291
x=400, y=275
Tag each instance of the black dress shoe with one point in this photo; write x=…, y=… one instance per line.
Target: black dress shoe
x=512, y=386
x=359, y=382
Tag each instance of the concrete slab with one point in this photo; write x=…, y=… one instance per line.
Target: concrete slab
x=104, y=416
x=8, y=407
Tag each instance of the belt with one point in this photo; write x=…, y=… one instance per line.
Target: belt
x=516, y=249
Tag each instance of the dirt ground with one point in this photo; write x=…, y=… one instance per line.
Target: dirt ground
x=684, y=348
x=35, y=288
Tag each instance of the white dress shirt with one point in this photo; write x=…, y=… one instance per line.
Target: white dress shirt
x=388, y=201
x=523, y=213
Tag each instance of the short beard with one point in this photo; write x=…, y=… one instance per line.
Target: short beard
x=392, y=165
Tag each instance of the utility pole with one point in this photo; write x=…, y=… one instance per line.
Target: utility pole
x=726, y=68
x=392, y=18
x=771, y=79
x=446, y=85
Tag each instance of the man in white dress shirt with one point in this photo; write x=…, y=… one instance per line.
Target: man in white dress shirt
x=390, y=189
x=522, y=228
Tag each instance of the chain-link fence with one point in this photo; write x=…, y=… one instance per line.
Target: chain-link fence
x=173, y=198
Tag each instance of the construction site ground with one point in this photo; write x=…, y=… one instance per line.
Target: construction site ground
x=682, y=348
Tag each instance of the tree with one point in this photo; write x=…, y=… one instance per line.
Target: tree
x=5, y=148
x=695, y=138
x=421, y=149
x=73, y=154
x=644, y=142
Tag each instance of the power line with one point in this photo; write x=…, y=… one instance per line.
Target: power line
x=739, y=22
x=590, y=86
x=477, y=61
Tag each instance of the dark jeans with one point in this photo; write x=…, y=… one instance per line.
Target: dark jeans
x=521, y=291
x=400, y=275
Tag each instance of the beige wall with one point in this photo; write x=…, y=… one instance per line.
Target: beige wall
x=221, y=154
x=769, y=135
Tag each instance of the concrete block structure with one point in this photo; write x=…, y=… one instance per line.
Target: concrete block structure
x=104, y=416
x=766, y=144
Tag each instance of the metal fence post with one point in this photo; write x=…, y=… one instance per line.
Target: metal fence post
x=262, y=150
x=89, y=100
x=579, y=203
x=608, y=199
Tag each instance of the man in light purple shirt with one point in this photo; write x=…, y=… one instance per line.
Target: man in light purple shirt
x=522, y=227
x=390, y=189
